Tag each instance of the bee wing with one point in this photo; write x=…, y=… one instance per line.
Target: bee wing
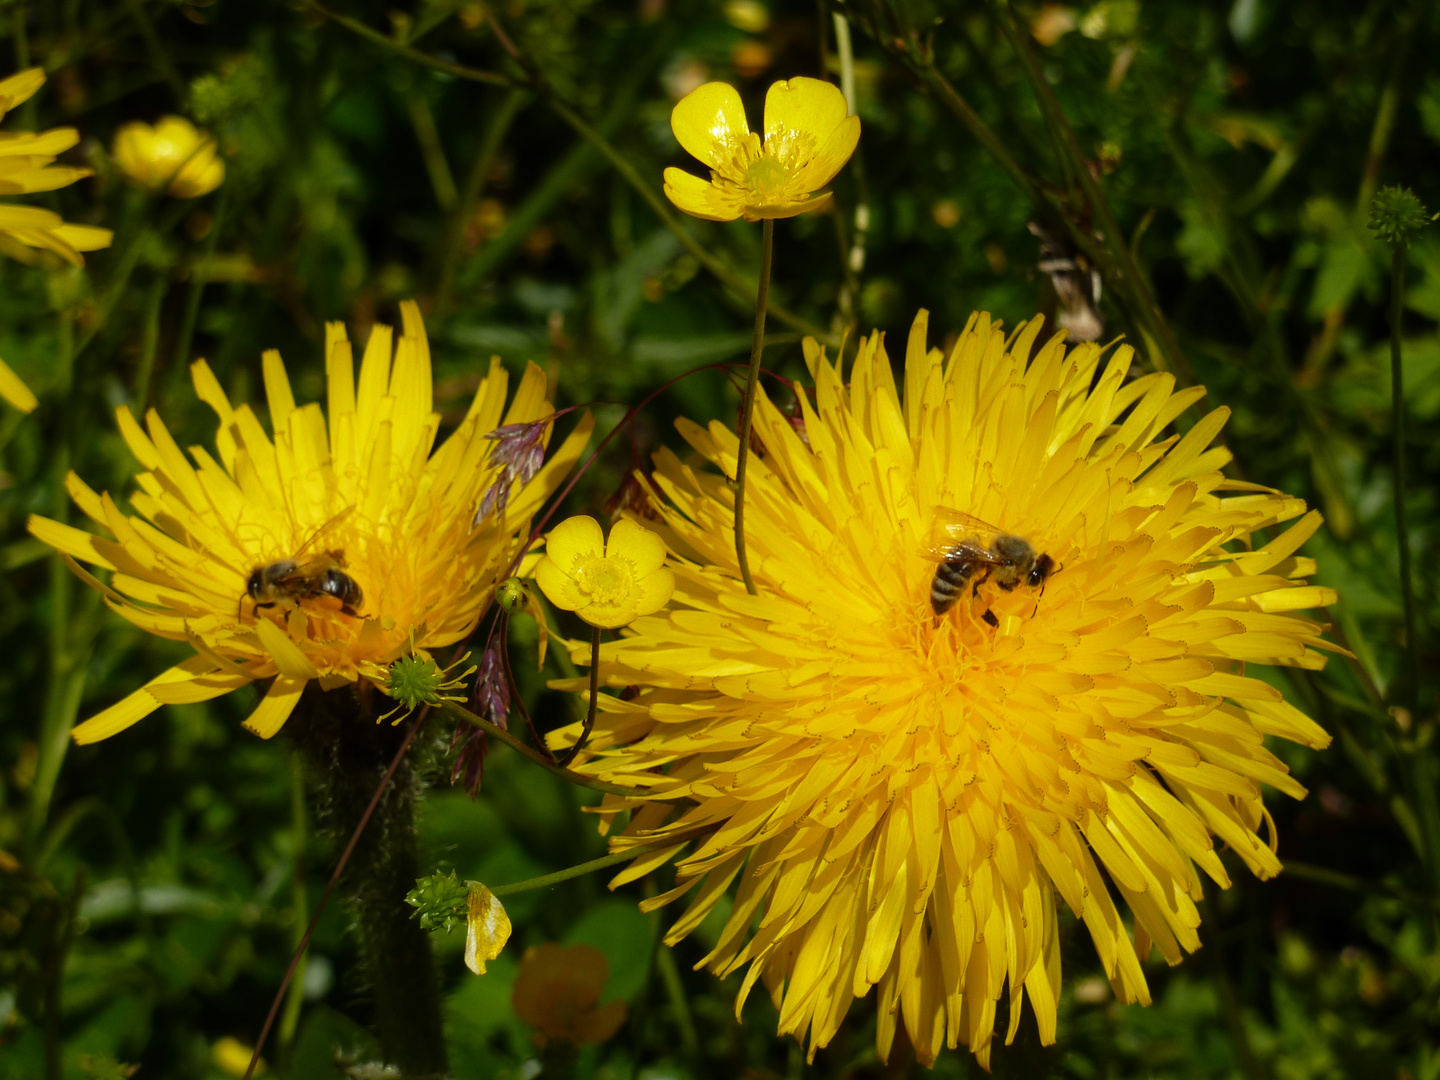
x=951, y=529
x=323, y=529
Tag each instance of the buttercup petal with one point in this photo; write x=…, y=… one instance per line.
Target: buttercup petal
x=709, y=121
x=610, y=616
x=789, y=208
x=653, y=591
x=835, y=150
x=698, y=198
x=800, y=111
x=559, y=587
x=572, y=538
x=644, y=549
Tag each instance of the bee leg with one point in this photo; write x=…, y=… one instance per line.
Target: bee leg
x=1009, y=586
x=990, y=618
x=983, y=577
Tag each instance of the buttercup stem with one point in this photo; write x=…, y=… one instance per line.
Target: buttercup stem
x=752, y=385
x=1397, y=425
x=594, y=697
x=579, y=779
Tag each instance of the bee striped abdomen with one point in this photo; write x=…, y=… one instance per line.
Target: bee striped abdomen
x=951, y=577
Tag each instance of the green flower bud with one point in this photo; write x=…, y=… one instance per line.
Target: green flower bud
x=1397, y=214
x=439, y=900
x=511, y=595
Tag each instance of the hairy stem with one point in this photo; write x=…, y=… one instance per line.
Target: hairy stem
x=459, y=712
x=752, y=388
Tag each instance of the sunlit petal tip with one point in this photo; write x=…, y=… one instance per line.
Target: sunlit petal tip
x=709, y=121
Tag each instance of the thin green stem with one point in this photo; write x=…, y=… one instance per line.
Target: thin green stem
x=495, y=132
x=752, y=390
x=615, y=858
x=463, y=714
x=1397, y=425
x=296, y=998
x=1323, y=875
x=594, y=699
x=675, y=991
x=199, y=278
x=149, y=344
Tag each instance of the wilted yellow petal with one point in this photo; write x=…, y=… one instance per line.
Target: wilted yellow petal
x=487, y=928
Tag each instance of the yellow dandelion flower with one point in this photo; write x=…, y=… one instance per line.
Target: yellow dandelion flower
x=328, y=548
x=26, y=165
x=173, y=157
x=905, y=797
x=808, y=139
x=608, y=584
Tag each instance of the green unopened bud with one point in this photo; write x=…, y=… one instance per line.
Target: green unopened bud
x=1397, y=214
x=511, y=595
x=440, y=901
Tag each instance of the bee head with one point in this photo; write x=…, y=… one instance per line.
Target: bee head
x=1043, y=568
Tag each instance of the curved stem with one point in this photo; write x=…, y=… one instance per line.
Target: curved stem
x=459, y=712
x=752, y=386
x=581, y=869
x=594, y=697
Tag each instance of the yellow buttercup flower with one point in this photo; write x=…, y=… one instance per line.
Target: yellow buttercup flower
x=905, y=798
x=173, y=157
x=808, y=139
x=333, y=546
x=606, y=584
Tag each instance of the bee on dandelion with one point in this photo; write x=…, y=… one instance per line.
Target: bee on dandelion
x=910, y=769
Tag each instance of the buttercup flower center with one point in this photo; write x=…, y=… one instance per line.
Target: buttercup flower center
x=604, y=580
x=766, y=177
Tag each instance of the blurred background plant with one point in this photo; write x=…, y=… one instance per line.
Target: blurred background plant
x=1197, y=177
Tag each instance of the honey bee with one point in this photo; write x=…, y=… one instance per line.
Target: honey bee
x=291, y=580
x=302, y=577
x=970, y=552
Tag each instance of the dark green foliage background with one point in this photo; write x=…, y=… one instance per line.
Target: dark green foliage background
x=1241, y=143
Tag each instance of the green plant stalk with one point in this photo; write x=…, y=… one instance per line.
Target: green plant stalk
x=459, y=712
x=675, y=991
x=149, y=344
x=290, y=1019
x=1397, y=426
x=495, y=132
x=581, y=869
x=346, y=755
x=752, y=391
x=593, y=701
x=199, y=278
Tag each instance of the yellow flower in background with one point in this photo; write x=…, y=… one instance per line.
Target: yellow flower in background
x=606, y=584
x=903, y=797
x=557, y=992
x=173, y=157
x=328, y=547
x=26, y=165
x=808, y=139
